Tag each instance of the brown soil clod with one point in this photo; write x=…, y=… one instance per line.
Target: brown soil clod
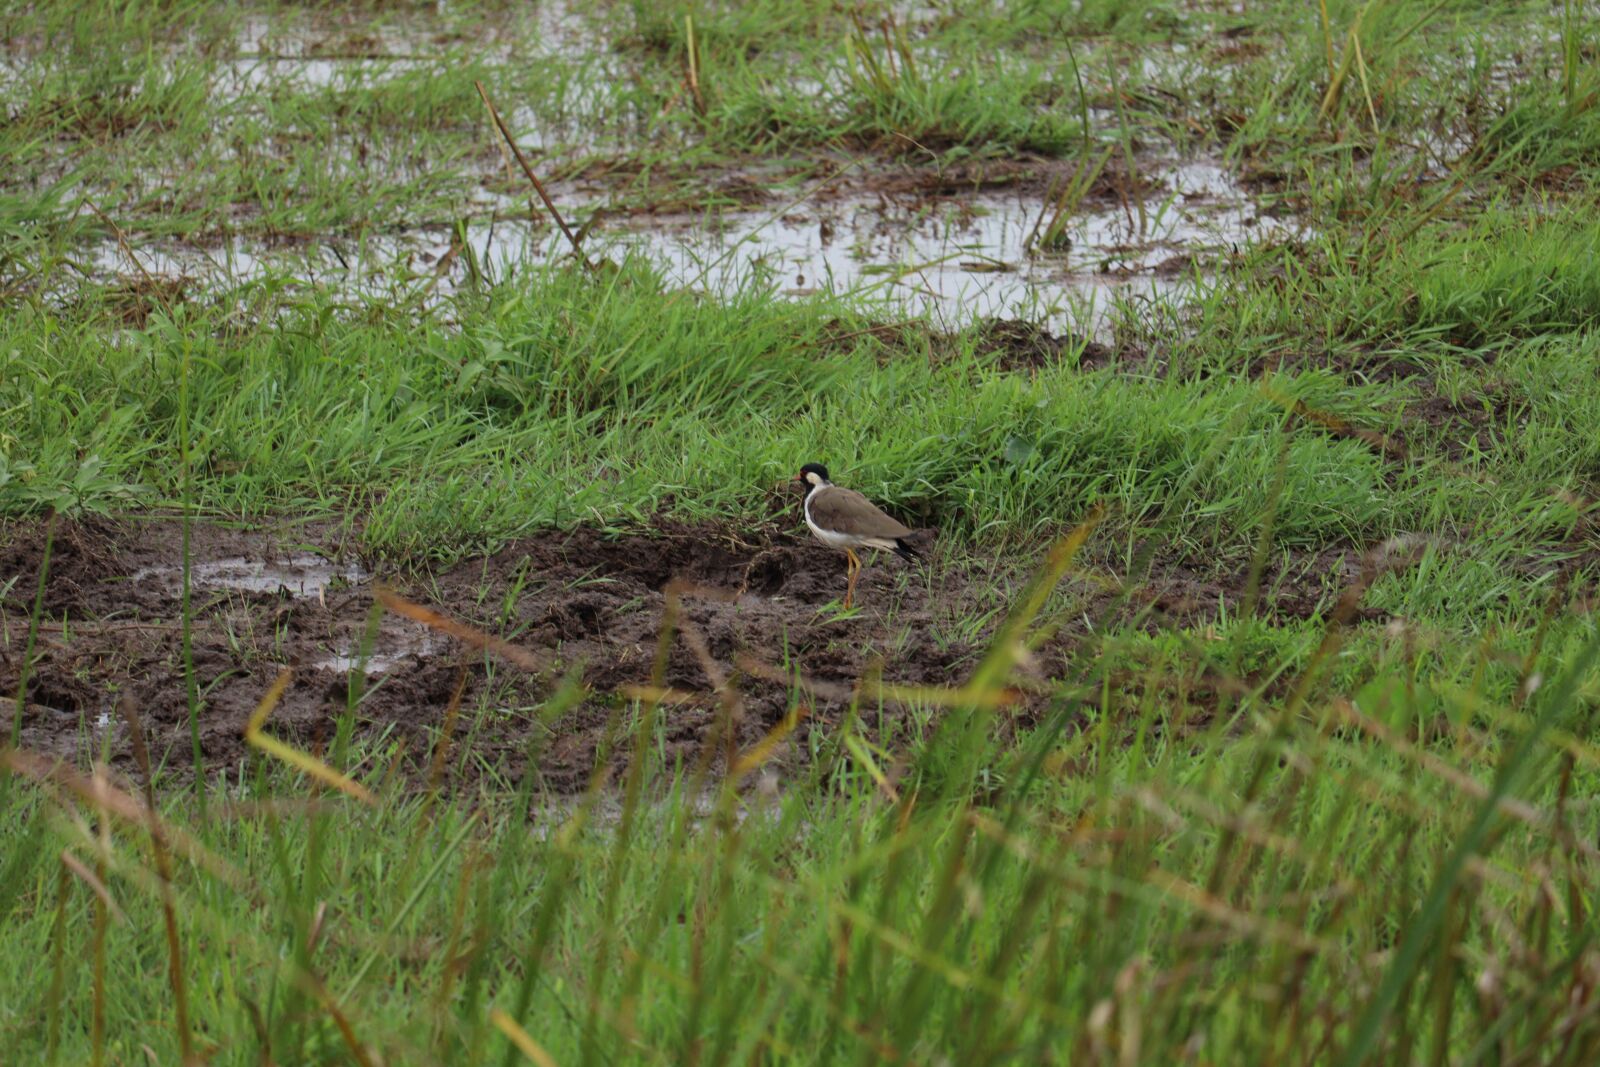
x=1016, y=345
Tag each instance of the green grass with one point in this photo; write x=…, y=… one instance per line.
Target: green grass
x=600, y=398
x=564, y=396
x=1242, y=840
x=1082, y=892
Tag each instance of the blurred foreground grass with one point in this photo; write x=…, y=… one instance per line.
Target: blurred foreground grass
x=1405, y=876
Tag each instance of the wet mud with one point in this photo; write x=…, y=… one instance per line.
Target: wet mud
x=754, y=605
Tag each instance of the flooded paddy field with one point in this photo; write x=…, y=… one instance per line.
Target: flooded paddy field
x=944, y=255
x=391, y=199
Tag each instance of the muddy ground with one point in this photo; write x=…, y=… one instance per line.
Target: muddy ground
x=300, y=597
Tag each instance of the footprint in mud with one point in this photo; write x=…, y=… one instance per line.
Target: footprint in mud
x=582, y=616
x=769, y=571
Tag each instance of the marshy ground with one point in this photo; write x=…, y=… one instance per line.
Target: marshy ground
x=414, y=657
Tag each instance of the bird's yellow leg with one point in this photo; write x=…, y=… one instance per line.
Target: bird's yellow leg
x=853, y=569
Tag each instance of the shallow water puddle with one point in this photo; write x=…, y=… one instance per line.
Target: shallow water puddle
x=601, y=816
x=318, y=50
x=300, y=574
x=305, y=575
x=954, y=258
x=391, y=650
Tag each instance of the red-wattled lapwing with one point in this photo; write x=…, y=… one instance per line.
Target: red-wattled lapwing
x=843, y=518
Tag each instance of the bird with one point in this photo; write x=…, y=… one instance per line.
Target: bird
x=843, y=518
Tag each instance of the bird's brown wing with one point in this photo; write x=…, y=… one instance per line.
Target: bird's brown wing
x=848, y=512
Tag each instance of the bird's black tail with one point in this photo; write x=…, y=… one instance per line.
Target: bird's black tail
x=905, y=551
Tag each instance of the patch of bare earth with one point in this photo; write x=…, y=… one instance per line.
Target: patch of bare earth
x=298, y=598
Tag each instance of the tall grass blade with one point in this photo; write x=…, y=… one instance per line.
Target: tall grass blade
x=1471, y=842
x=256, y=736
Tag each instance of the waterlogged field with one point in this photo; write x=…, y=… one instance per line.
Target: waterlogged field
x=414, y=653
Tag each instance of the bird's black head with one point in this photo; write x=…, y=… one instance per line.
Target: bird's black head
x=813, y=474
